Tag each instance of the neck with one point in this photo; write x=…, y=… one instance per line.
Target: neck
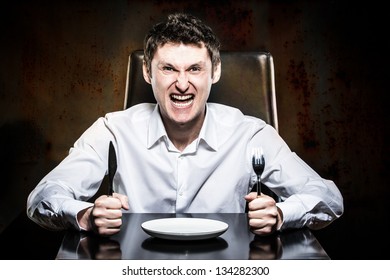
x=183, y=135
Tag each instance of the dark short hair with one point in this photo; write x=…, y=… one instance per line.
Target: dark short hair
x=181, y=28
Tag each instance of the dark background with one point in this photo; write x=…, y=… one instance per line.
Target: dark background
x=63, y=64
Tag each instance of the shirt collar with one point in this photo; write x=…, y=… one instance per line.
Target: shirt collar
x=156, y=129
x=208, y=132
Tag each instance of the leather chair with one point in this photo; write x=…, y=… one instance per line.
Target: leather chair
x=247, y=82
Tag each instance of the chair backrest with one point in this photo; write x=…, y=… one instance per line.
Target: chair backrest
x=247, y=83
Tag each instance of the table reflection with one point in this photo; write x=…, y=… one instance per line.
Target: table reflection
x=236, y=243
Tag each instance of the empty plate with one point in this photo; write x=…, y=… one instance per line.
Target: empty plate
x=184, y=228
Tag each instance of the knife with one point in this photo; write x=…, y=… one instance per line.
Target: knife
x=112, y=166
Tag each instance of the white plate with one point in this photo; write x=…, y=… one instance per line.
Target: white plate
x=184, y=228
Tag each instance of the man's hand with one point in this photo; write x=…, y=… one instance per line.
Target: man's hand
x=105, y=217
x=264, y=216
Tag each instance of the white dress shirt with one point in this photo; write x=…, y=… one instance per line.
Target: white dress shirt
x=213, y=174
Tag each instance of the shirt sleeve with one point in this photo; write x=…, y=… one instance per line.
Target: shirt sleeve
x=62, y=193
x=307, y=199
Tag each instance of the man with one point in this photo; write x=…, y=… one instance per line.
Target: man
x=182, y=154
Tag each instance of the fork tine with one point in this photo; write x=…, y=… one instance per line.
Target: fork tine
x=257, y=153
x=258, y=165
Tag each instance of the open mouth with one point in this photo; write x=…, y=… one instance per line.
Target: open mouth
x=182, y=100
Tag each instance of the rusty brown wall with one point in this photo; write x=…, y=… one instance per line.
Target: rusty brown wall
x=63, y=64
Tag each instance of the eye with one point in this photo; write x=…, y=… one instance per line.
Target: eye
x=194, y=69
x=168, y=69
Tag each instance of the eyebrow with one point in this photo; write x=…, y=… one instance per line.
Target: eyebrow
x=197, y=64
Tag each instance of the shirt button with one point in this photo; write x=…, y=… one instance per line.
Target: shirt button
x=181, y=193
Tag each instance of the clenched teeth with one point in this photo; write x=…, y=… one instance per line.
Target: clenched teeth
x=181, y=97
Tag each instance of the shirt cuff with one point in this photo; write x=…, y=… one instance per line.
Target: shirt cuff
x=71, y=208
x=293, y=213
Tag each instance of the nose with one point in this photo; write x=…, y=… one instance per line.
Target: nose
x=182, y=82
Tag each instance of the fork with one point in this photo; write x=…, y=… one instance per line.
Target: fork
x=258, y=164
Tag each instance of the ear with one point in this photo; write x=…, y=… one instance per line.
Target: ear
x=217, y=73
x=146, y=73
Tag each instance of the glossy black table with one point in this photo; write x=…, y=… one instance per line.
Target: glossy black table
x=238, y=243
